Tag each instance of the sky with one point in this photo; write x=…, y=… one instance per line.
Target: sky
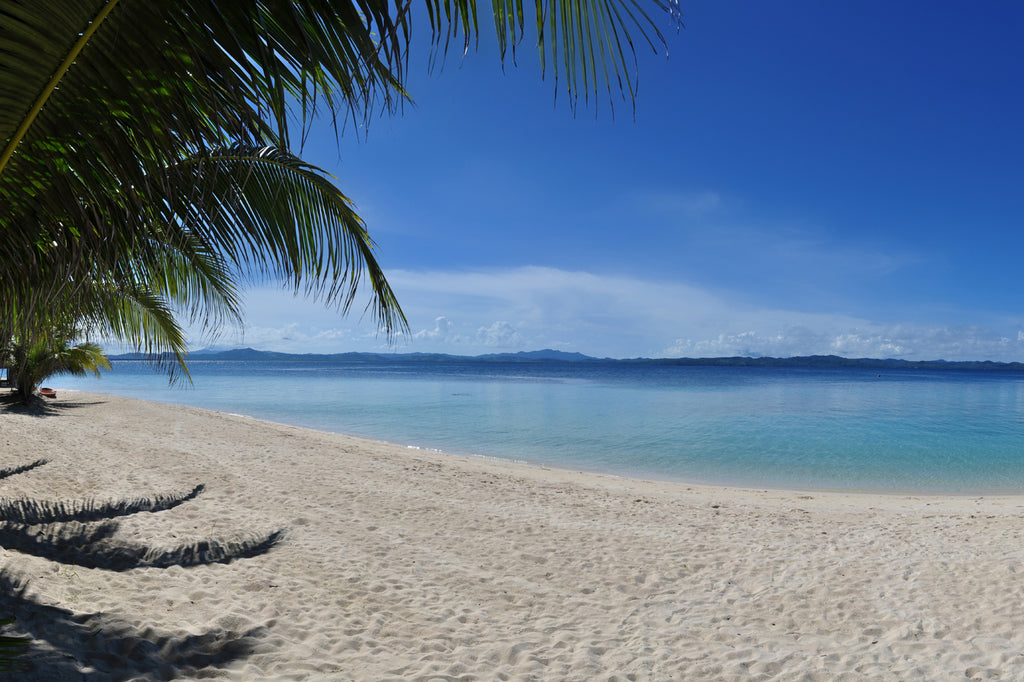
x=796, y=178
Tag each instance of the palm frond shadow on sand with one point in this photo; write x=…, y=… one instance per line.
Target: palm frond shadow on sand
x=22, y=468
x=92, y=546
x=83, y=534
x=29, y=511
x=112, y=649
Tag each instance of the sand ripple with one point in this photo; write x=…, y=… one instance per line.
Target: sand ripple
x=407, y=564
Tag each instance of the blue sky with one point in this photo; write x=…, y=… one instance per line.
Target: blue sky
x=798, y=178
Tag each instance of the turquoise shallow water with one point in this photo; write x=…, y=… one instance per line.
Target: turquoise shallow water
x=848, y=429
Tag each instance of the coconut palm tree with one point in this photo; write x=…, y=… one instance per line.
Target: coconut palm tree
x=147, y=168
x=145, y=145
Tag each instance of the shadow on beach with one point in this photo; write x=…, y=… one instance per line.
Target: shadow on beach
x=40, y=406
x=89, y=545
x=65, y=645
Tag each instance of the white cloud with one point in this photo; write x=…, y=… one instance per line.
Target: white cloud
x=440, y=332
x=292, y=337
x=860, y=341
x=529, y=308
x=789, y=341
x=500, y=335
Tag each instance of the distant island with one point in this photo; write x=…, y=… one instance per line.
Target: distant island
x=556, y=356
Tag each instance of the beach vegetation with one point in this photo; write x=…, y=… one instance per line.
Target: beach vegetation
x=32, y=361
x=150, y=168
x=12, y=649
x=147, y=149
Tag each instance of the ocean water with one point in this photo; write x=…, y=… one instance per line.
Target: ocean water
x=843, y=429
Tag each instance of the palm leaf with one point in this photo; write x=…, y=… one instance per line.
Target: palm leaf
x=573, y=37
x=110, y=108
x=87, y=136
x=12, y=648
x=242, y=196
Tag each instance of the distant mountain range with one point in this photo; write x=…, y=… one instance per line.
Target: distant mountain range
x=551, y=356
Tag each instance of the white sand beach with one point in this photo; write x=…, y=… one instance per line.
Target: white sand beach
x=399, y=564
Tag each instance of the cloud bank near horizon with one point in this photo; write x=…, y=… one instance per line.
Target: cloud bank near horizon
x=529, y=308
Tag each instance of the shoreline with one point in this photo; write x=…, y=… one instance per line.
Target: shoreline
x=399, y=563
x=640, y=476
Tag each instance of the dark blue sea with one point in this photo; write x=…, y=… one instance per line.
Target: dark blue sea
x=845, y=429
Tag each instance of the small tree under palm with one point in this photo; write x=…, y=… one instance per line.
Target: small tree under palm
x=33, y=361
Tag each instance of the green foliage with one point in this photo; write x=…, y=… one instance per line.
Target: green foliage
x=37, y=358
x=12, y=648
x=146, y=169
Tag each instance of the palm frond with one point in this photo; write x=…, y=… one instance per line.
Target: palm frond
x=132, y=313
x=108, y=108
x=12, y=649
x=584, y=43
x=272, y=214
x=140, y=85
